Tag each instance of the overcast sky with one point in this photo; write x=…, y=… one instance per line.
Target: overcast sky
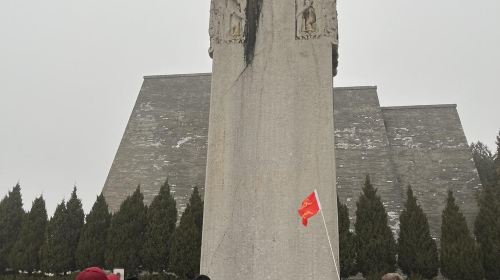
x=70, y=72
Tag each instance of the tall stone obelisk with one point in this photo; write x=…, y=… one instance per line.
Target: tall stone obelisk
x=270, y=140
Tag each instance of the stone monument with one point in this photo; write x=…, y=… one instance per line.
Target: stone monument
x=270, y=140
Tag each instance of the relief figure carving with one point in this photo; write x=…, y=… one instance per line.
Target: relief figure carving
x=236, y=15
x=316, y=19
x=227, y=22
x=306, y=20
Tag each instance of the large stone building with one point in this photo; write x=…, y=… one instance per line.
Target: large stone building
x=425, y=146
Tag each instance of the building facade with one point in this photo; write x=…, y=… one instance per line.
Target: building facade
x=422, y=146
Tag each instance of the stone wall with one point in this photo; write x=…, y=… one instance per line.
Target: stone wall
x=424, y=146
x=431, y=154
x=362, y=148
x=166, y=137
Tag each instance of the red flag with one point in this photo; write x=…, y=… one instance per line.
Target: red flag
x=310, y=207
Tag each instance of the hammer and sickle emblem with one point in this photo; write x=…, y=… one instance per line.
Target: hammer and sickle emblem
x=306, y=203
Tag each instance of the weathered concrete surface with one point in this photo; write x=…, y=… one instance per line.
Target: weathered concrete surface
x=270, y=145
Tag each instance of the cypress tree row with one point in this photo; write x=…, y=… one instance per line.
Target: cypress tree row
x=126, y=234
x=185, y=250
x=487, y=231
x=487, y=224
x=75, y=224
x=460, y=258
x=11, y=220
x=376, y=252
x=417, y=251
x=161, y=220
x=25, y=253
x=92, y=244
x=347, y=242
x=485, y=163
x=56, y=251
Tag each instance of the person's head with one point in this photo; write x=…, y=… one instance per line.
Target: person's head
x=92, y=273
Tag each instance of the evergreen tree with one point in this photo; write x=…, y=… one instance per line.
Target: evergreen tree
x=347, y=242
x=92, y=244
x=25, y=253
x=3, y=243
x=56, y=251
x=487, y=224
x=376, y=252
x=197, y=208
x=75, y=224
x=126, y=234
x=161, y=220
x=497, y=155
x=497, y=163
x=417, y=251
x=487, y=231
x=460, y=258
x=11, y=220
x=485, y=163
x=185, y=250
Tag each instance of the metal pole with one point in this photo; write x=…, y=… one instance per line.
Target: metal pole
x=328, y=236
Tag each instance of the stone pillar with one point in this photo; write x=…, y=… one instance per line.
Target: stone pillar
x=270, y=140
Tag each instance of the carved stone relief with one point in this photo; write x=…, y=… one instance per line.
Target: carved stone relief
x=315, y=19
x=227, y=22
x=306, y=19
x=235, y=23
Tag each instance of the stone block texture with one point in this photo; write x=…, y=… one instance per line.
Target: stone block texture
x=362, y=148
x=166, y=138
x=424, y=146
x=430, y=153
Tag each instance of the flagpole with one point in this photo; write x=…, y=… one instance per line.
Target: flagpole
x=327, y=235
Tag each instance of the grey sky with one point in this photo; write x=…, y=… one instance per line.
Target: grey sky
x=70, y=72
